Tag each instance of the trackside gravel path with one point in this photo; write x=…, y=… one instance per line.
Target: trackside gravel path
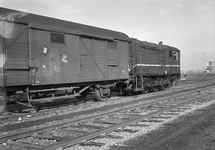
x=195, y=131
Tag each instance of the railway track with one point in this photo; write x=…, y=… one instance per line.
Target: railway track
x=70, y=132
x=23, y=117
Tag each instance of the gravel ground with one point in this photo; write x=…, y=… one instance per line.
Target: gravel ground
x=195, y=131
x=155, y=135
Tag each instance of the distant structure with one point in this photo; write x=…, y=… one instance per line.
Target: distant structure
x=211, y=66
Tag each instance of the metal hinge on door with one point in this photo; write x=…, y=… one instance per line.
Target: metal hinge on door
x=33, y=74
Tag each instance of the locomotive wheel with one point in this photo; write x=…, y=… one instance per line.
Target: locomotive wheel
x=129, y=93
x=102, y=94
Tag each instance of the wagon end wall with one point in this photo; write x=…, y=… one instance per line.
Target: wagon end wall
x=1, y=56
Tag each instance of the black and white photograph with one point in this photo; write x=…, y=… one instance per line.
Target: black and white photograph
x=107, y=74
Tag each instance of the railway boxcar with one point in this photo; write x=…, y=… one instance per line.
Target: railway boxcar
x=44, y=58
x=153, y=66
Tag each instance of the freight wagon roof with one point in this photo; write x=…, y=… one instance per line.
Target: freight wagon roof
x=76, y=28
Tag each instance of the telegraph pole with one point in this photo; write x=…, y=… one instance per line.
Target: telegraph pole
x=204, y=61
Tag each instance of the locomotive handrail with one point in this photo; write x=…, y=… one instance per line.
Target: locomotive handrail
x=136, y=81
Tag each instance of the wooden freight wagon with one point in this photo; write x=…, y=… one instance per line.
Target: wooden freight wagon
x=42, y=56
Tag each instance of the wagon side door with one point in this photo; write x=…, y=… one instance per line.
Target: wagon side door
x=92, y=59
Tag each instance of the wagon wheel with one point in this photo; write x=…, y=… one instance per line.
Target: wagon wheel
x=102, y=93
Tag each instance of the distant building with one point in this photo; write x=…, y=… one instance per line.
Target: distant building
x=211, y=66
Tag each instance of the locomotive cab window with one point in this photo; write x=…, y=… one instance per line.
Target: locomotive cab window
x=57, y=38
x=170, y=53
x=175, y=55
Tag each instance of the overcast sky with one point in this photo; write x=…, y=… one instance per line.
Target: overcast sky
x=188, y=25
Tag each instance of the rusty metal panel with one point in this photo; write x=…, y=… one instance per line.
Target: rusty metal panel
x=123, y=48
x=54, y=62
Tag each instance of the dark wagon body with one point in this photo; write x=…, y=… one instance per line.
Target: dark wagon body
x=44, y=55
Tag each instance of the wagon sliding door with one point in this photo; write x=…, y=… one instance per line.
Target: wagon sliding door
x=103, y=59
x=17, y=54
x=92, y=59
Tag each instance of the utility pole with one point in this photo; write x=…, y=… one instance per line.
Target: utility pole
x=204, y=61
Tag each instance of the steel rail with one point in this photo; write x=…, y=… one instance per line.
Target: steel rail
x=71, y=141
